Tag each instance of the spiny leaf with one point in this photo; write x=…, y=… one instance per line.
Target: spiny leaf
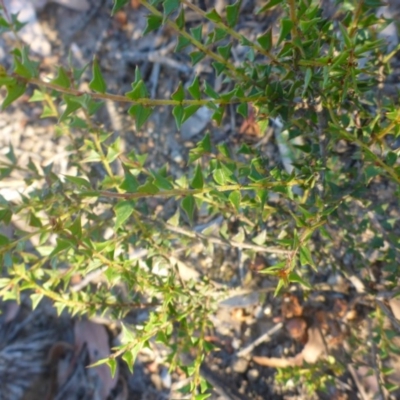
x=265, y=40
x=123, y=210
x=153, y=23
x=189, y=205
x=179, y=93
x=170, y=6
x=232, y=13
x=118, y=4
x=13, y=92
x=178, y=113
x=97, y=84
x=198, y=180
x=140, y=113
x=194, y=89
x=61, y=79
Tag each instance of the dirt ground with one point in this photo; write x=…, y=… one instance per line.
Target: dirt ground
x=254, y=332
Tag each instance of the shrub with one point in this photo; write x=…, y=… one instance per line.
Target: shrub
x=319, y=207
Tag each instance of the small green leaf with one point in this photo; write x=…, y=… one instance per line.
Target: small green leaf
x=306, y=258
x=281, y=284
x=293, y=277
x=391, y=158
x=265, y=40
x=13, y=93
x=225, y=51
x=140, y=113
x=21, y=69
x=128, y=358
x=162, y=182
x=97, y=84
x=189, y=111
x=287, y=25
x=37, y=96
x=61, y=79
x=179, y=93
x=174, y=220
x=139, y=91
x=198, y=180
x=209, y=91
x=194, y=89
x=153, y=23
x=5, y=216
x=118, y=4
x=123, y=210
x=218, y=115
x=60, y=246
x=4, y=240
x=232, y=13
x=235, y=197
x=178, y=112
x=197, y=32
x=189, y=205
x=196, y=57
x=243, y=110
x=219, y=67
x=270, y=4
x=203, y=396
x=72, y=106
x=170, y=6
x=307, y=80
x=130, y=183
x=112, y=363
x=182, y=43
x=77, y=180
x=148, y=188
x=213, y=16
x=345, y=36
x=36, y=299
x=180, y=20
x=7, y=81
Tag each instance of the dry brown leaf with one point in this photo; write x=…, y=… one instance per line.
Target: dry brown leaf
x=97, y=340
x=291, y=306
x=340, y=307
x=11, y=311
x=297, y=328
x=314, y=347
x=312, y=351
x=249, y=125
x=135, y=4
x=395, y=306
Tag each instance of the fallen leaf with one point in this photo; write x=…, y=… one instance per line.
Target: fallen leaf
x=311, y=352
x=297, y=328
x=291, y=306
x=97, y=340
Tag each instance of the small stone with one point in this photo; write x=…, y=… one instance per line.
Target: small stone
x=240, y=365
x=253, y=374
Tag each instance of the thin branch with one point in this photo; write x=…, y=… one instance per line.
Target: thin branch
x=229, y=243
x=263, y=338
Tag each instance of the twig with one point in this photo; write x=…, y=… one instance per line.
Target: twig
x=263, y=338
x=221, y=387
x=359, y=385
x=231, y=243
x=388, y=313
x=89, y=278
x=374, y=362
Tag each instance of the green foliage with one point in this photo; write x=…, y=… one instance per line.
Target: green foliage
x=317, y=80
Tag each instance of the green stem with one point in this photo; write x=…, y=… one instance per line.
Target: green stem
x=144, y=101
x=351, y=138
x=231, y=32
x=235, y=72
